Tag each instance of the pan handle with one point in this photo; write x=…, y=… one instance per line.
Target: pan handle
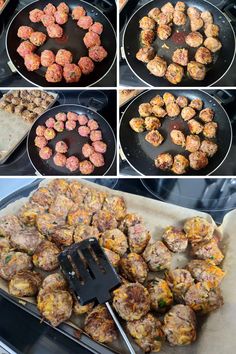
x=230, y=11
x=12, y=66
x=223, y=96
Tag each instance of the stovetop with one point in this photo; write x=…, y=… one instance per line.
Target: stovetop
x=10, y=79
x=228, y=167
x=103, y=101
x=127, y=77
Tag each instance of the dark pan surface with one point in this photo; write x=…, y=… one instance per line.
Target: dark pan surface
x=140, y=154
x=222, y=59
x=73, y=140
x=72, y=40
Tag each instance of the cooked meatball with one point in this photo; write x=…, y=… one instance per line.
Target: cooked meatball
x=182, y=101
x=96, y=135
x=61, y=206
x=177, y=137
x=45, y=153
x=209, y=130
x=157, y=256
x=12, y=263
x=4, y=245
x=164, y=32
x=164, y=161
x=204, y=270
x=100, y=326
x=147, y=23
x=47, y=20
x=63, y=7
x=71, y=73
x=174, y=73
x=129, y=221
x=59, y=159
x=152, y=123
x=36, y=15
x=100, y=146
x=82, y=232
x=131, y=301
x=167, y=8
x=32, y=62
x=193, y=143
x=179, y=281
x=63, y=236
x=72, y=163
x=91, y=39
x=180, y=164
x=164, y=19
x=194, y=126
x=54, y=281
x=79, y=216
x=54, y=73
x=196, y=103
x=154, y=138
x=213, y=44
x=157, y=66
x=193, y=12
x=133, y=268
x=159, y=111
x=61, y=147
x=83, y=120
x=196, y=70
x=24, y=32
x=168, y=98
x=179, y=18
x=55, y=31
x=46, y=256
x=97, y=159
x=115, y=240
x=85, y=22
x=202, y=298
x=212, y=30
x=49, y=9
x=160, y=294
x=116, y=204
x=207, y=18
x=180, y=325
x=104, y=220
x=198, y=160
x=196, y=24
x=40, y=141
x=86, y=167
x=153, y=13
x=180, y=6
x=207, y=115
x=208, y=147
x=145, y=109
x=26, y=240
x=173, y=109
x=145, y=54
x=47, y=58
x=61, y=17
x=59, y=186
x=198, y=229
x=25, y=48
x=49, y=133
x=175, y=239
x=194, y=39
x=97, y=53
x=38, y=38
x=97, y=27
x=86, y=65
x=208, y=251
x=180, y=56
x=64, y=57
x=42, y=196
x=157, y=101
x=25, y=283
x=203, y=56
x=138, y=237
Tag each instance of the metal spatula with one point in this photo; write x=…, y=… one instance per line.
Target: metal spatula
x=91, y=276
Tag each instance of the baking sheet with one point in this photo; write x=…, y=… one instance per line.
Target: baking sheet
x=217, y=332
x=5, y=4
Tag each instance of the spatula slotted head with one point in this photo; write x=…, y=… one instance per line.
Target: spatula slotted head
x=89, y=272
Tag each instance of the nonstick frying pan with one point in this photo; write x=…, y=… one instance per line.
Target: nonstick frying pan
x=73, y=140
x=140, y=154
x=72, y=40
x=222, y=59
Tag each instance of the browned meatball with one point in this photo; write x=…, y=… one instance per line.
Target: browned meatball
x=205, y=270
x=46, y=256
x=12, y=263
x=188, y=113
x=164, y=161
x=208, y=251
x=157, y=101
x=175, y=239
x=177, y=137
x=196, y=70
x=196, y=103
x=174, y=73
x=207, y=18
x=152, y=123
x=180, y=56
x=160, y=294
x=147, y=23
x=25, y=283
x=198, y=160
x=182, y=101
x=194, y=126
x=198, y=229
x=82, y=232
x=4, y=245
x=61, y=206
x=145, y=54
x=208, y=147
x=104, y=220
x=157, y=66
x=163, y=32
x=192, y=143
x=179, y=18
x=180, y=6
x=113, y=257
x=147, y=37
x=9, y=224
x=203, y=56
x=194, y=39
x=145, y=109
x=42, y=196
x=179, y=281
x=157, y=256
x=133, y=268
x=167, y=8
x=159, y=111
x=213, y=44
x=138, y=237
x=63, y=236
x=209, y=130
x=193, y=12
x=153, y=13
x=80, y=215
x=173, y=109
x=26, y=240
x=164, y=19
x=114, y=240
x=180, y=164
x=212, y=30
x=207, y=115
x=154, y=138
x=137, y=124
x=196, y=24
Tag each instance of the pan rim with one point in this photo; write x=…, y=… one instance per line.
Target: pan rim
x=146, y=83
x=61, y=87
x=79, y=175
x=186, y=175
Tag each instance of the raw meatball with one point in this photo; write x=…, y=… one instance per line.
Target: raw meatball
x=59, y=126
x=180, y=325
x=198, y=229
x=40, y=142
x=97, y=27
x=174, y=73
x=72, y=116
x=104, y=220
x=213, y=44
x=86, y=167
x=196, y=24
x=25, y=48
x=45, y=153
x=180, y=164
x=50, y=122
x=86, y=65
x=133, y=268
x=47, y=20
x=25, y=283
x=194, y=126
x=131, y=301
x=153, y=13
x=92, y=124
x=24, y=32
x=207, y=115
x=59, y=159
x=208, y=147
x=168, y=98
x=32, y=62
x=180, y=6
x=100, y=326
x=193, y=143
x=180, y=56
x=91, y=39
x=36, y=15
x=157, y=66
x=47, y=58
x=61, y=117
x=85, y=22
x=145, y=109
x=154, y=138
x=164, y=32
x=179, y=281
x=182, y=101
x=198, y=160
x=87, y=150
x=97, y=53
x=147, y=23
x=96, y=135
x=194, y=39
x=175, y=239
x=49, y=134
x=203, y=56
x=152, y=123
x=167, y=8
x=97, y=159
x=157, y=101
x=206, y=271
x=177, y=137
x=209, y=130
x=208, y=251
x=54, y=73
x=12, y=263
x=72, y=73
x=179, y=18
x=212, y=30
x=196, y=103
x=61, y=17
x=38, y=38
x=70, y=125
x=72, y=163
x=40, y=130
x=63, y=7
x=172, y=109
x=160, y=294
x=157, y=256
x=145, y=54
x=49, y=9
x=77, y=12
x=46, y=256
x=202, y=299
x=159, y=111
x=147, y=37
x=164, y=161
x=63, y=57
x=55, y=31
x=115, y=240
x=83, y=131
x=196, y=70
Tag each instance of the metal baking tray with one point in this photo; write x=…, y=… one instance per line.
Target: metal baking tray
x=4, y=6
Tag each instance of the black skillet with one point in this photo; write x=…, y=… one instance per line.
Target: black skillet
x=140, y=154
x=222, y=59
x=73, y=140
x=72, y=40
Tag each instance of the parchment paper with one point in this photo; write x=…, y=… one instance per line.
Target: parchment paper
x=217, y=331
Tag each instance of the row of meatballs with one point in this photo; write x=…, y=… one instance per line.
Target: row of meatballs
x=65, y=212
